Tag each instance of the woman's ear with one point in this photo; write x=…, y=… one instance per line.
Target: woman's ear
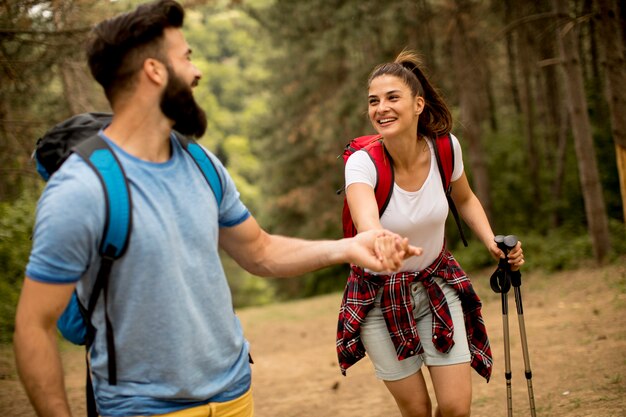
x=419, y=105
x=155, y=71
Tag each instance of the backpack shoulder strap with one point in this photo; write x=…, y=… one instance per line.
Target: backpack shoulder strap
x=444, y=153
x=206, y=165
x=384, y=174
x=99, y=156
x=374, y=147
x=118, y=224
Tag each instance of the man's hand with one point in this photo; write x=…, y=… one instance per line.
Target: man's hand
x=381, y=250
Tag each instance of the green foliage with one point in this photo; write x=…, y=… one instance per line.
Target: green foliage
x=231, y=55
x=514, y=203
x=229, y=48
x=15, y=234
x=473, y=257
x=247, y=289
x=560, y=249
x=618, y=239
x=325, y=281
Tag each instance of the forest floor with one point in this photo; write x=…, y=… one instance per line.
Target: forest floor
x=576, y=331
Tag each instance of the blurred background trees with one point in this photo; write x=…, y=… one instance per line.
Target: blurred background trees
x=536, y=89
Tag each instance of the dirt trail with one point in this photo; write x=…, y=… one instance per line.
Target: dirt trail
x=575, y=323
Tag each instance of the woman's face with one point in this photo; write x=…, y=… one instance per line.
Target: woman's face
x=392, y=108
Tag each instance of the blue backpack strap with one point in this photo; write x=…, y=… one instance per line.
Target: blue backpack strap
x=206, y=165
x=118, y=224
x=99, y=156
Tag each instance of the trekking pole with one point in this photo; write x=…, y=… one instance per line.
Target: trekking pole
x=516, y=281
x=501, y=283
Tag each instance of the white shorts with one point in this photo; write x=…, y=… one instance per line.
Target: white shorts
x=382, y=352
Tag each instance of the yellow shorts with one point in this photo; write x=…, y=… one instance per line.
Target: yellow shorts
x=239, y=407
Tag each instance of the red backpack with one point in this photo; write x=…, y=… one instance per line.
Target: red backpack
x=373, y=145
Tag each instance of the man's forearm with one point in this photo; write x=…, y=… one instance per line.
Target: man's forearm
x=278, y=256
x=287, y=257
x=41, y=372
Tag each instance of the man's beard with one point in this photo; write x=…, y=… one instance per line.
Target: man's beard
x=179, y=105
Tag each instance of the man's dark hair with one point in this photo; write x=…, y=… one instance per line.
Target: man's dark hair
x=118, y=46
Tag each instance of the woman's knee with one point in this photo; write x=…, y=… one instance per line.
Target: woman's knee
x=453, y=410
x=411, y=396
x=415, y=407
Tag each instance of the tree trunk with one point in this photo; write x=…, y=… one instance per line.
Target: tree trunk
x=595, y=210
x=620, y=153
x=527, y=99
x=511, y=58
x=612, y=59
x=73, y=76
x=75, y=86
x=468, y=62
x=554, y=122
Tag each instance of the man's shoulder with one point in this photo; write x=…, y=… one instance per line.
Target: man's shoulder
x=74, y=170
x=181, y=144
x=69, y=220
x=74, y=182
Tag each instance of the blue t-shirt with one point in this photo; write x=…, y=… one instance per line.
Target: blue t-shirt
x=178, y=341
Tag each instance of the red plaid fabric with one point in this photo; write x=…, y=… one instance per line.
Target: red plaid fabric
x=358, y=300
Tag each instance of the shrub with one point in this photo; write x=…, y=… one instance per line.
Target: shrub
x=16, y=220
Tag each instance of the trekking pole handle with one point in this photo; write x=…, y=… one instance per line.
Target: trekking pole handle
x=501, y=278
x=499, y=282
x=506, y=244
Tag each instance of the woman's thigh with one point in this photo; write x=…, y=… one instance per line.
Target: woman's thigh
x=382, y=352
x=450, y=372
x=453, y=388
x=460, y=352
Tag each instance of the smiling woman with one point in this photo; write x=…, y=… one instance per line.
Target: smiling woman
x=428, y=313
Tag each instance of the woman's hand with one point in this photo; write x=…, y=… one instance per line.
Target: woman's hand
x=515, y=255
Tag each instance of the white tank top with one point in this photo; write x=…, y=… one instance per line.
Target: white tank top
x=419, y=215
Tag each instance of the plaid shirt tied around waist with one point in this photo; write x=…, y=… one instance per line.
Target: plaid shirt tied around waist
x=360, y=294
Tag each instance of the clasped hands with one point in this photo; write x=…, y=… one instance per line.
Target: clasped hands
x=384, y=251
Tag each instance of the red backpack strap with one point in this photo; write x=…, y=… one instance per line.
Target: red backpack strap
x=384, y=176
x=444, y=152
